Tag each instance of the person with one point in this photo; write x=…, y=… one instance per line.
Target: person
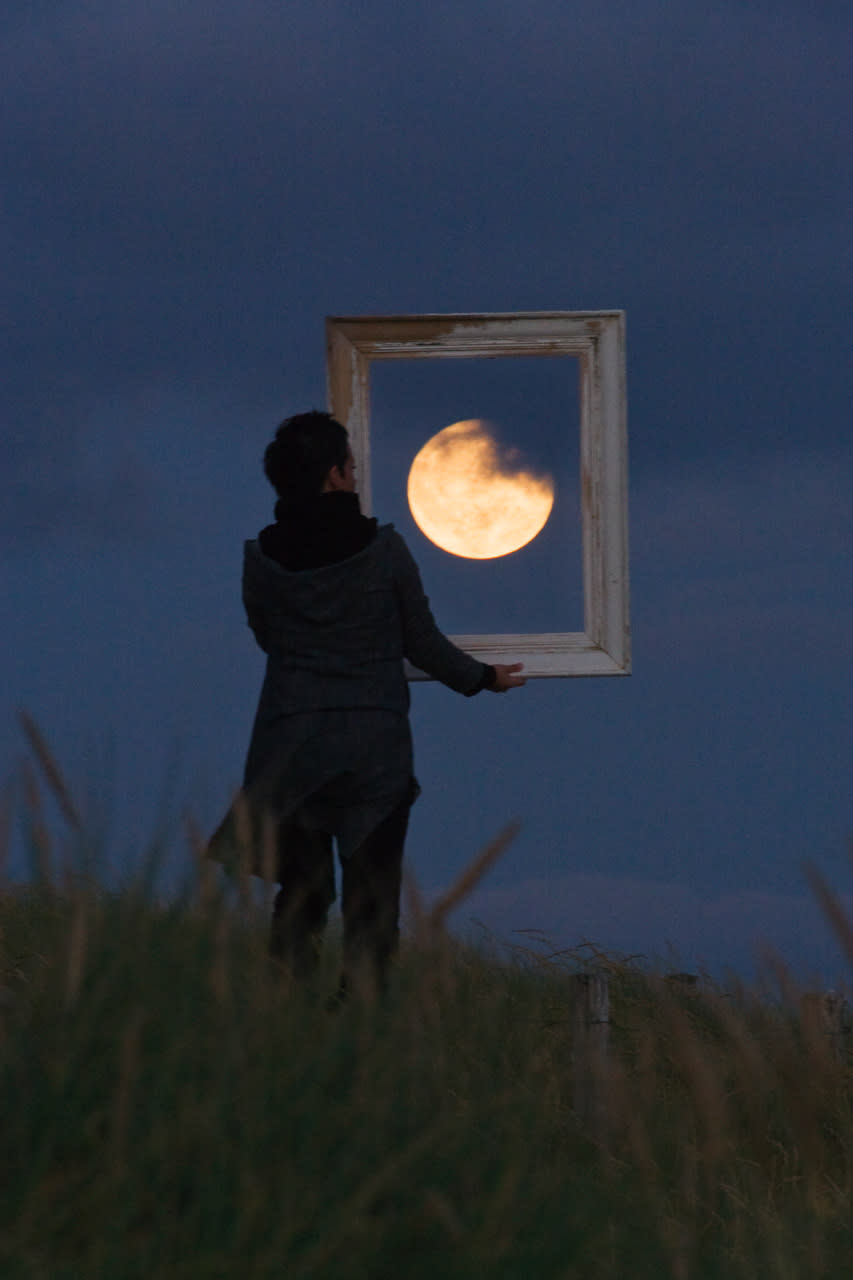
x=335, y=601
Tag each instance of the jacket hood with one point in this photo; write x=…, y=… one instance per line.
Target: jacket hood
x=325, y=595
x=317, y=531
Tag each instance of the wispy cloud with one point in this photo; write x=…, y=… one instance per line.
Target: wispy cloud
x=663, y=921
x=748, y=554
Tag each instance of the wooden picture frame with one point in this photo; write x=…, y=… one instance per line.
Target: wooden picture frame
x=597, y=340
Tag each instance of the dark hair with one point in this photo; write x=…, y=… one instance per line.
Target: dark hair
x=304, y=450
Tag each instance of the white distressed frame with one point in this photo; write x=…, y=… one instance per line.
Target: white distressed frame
x=597, y=340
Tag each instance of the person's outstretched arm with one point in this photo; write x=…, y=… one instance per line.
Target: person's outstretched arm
x=427, y=647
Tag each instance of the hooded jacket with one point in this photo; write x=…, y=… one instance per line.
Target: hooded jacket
x=336, y=603
x=336, y=635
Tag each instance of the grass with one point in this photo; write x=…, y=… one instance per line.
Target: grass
x=171, y=1111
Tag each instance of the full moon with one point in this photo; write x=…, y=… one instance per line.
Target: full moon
x=474, y=499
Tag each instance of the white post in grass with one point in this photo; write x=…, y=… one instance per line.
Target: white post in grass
x=822, y=1014
x=591, y=1028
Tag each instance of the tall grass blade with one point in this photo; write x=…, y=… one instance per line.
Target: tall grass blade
x=832, y=908
x=41, y=848
x=5, y=829
x=204, y=889
x=77, y=948
x=472, y=875
x=51, y=770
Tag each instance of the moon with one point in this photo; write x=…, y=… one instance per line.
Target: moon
x=473, y=498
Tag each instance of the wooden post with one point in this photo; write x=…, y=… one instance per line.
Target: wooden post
x=822, y=1014
x=685, y=981
x=591, y=1028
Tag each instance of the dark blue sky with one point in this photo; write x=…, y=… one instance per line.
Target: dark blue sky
x=189, y=189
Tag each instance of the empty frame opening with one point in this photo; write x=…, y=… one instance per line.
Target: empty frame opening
x=493, y=438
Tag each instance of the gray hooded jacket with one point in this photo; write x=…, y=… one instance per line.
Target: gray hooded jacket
x=335, y=637
x=331, y=745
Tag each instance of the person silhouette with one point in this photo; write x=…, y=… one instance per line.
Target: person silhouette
x=335, y=601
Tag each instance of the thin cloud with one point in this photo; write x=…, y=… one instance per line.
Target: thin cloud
x=662, y=919
x=740, y=558
x=186, y=195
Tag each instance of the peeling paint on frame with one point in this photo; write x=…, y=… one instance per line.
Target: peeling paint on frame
x=597, y=339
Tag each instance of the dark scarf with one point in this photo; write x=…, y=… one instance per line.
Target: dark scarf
x=320, y=530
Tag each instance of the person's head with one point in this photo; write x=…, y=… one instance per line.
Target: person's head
x=309, y=455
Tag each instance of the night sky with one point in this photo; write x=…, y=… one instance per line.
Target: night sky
x=189, y=189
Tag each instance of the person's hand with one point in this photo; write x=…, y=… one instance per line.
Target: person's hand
x=505, y=677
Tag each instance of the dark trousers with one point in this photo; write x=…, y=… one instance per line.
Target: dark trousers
x=370, y=901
